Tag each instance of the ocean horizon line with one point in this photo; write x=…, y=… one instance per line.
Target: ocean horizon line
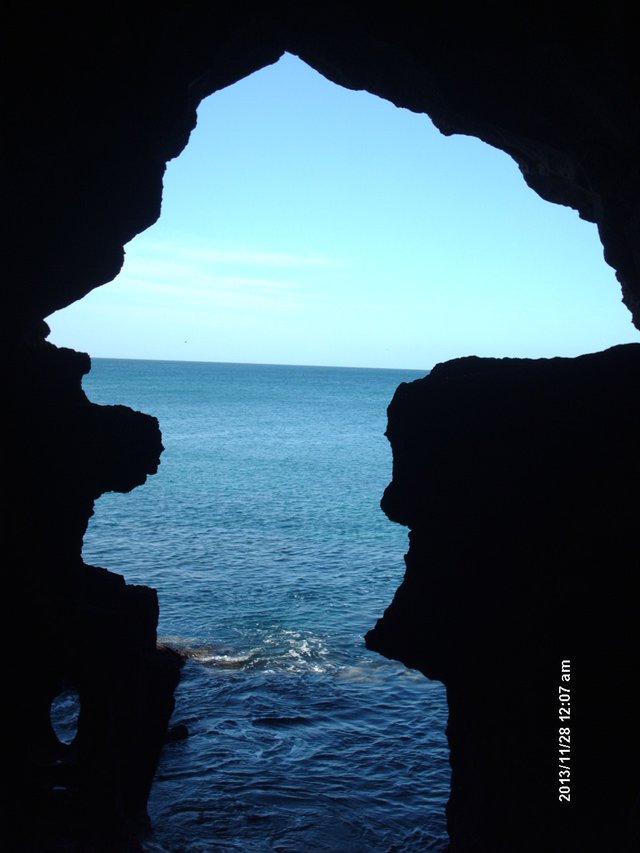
x=258, y=363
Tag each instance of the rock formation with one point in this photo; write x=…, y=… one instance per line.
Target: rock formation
x=96, y=101
x=76, y=625
x=517, y=478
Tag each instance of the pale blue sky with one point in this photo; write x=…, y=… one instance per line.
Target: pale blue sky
x=308, y=224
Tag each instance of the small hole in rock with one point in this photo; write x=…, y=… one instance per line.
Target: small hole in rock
x=64, y=714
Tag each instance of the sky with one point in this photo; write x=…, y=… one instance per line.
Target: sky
x=308, y=224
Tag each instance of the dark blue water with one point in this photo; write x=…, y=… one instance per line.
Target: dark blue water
x=263, y=535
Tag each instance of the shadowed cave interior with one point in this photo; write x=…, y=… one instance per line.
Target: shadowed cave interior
x=516, y=478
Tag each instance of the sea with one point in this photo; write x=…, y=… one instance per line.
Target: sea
x=263, y=536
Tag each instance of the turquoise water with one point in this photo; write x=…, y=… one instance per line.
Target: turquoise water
x=263, y=535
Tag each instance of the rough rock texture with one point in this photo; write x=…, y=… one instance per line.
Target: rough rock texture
x=518, y=481
x=95, y=102
x=76, y=625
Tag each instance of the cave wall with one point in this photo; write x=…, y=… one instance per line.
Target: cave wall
x=95, y=103
x=517, y=479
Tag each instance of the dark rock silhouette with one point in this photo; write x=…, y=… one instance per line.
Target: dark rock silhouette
x=77, y=625
x=517, y=479
x=95, y=103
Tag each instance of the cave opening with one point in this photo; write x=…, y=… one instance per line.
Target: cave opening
x=95, y=105
x=300, y=210
x=269, y=728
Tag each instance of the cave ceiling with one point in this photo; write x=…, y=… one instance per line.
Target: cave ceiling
x=101, y=102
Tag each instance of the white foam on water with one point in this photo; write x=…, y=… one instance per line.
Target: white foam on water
x=275, y=650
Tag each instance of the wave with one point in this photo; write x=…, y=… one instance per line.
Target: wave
x=225, y=660
x=280, y=721
x=276, y=650
x=268, y=650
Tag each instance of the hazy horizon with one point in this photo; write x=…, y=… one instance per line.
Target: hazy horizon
x=257, y=363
